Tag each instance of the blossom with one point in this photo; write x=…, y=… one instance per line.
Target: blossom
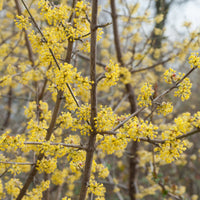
x=22, y=22
x=145, y=94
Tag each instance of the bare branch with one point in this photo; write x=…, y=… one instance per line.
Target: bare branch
x=55, y=143
x=17, y=163
x=93, y=132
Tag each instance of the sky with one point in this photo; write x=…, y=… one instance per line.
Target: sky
x=189, y=11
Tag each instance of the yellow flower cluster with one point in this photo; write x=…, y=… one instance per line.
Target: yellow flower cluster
x=196, y=121
x=103, y=172
x=145, y=94
x=58, y=16
x=6, y=80
x=41, y=109
x=49, y=150
x=2, y=193
x=171, y=150
x=58, y=176
x=13, y=186
x=125, y=75
x=143, y=192
x=158, y=31
x=184, y=122
x=170, y=76
x=16, y=169
x=83, y=112
x=173, y=147
x=65, y=120
x=100, y=169
x=54, y=14
x=37, y=192
x=76, y=158
x=114, y=144
x=66, y=198
x=159, y=18
x=165, y=108
x=105, y=119
x=11, y=143
x=83, y=117
x=22, y=22
x=184, y=89
x=112, y=75
x=62, y=76
x=194, y=60
x=97, y=189
x=47, y=165
x=37, y=130
x=136, y=128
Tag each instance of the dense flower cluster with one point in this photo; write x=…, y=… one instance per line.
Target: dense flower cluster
x=194, y=60
x=184, y=89
x=22, y=22
x=137, y=128
x=47, y=74
x=145, y=94
x=165, y=108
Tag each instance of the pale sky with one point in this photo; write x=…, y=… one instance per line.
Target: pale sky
x=189, y=11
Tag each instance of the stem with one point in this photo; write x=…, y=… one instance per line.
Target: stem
x=8, y=114
x=133, y=161
x=53, y=119
x=93, y=132
x=28, y=44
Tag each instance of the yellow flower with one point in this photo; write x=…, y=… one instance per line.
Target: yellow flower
x=145, y=94
x=22, y=22
x=184, y=89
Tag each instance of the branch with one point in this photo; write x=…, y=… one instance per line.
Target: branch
x=154, y=141
x=127, y=119
x=103, y=25
x=28, y=44
x=93, y=132
x=45, y=40
x=55, y=111
x=55, y=143
x=150, y=67
x=175, y=85
x=16, y=163
x=154, y=100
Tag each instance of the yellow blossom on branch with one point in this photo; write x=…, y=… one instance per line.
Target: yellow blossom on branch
x=47, y=165
x=194, y=60
x=22, y=22
x=184, y=89
x=145, y=93
x=165, y=108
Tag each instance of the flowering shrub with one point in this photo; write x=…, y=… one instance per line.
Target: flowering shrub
x=69, y=127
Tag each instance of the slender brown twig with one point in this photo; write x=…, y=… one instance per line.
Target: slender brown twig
x=55, y=111
x=17, y=163
x=55, y=143
x=93, y=132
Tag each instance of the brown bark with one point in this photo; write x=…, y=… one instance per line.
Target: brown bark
x=8, y=114
x=28, y=44
x=50, y=129
x=134, y=145
x=92, y=138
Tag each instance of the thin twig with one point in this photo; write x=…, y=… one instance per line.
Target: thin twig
x=16, y=163
x=93, y=94
x=154, y=141
x=56, y=143
x=45, y=40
